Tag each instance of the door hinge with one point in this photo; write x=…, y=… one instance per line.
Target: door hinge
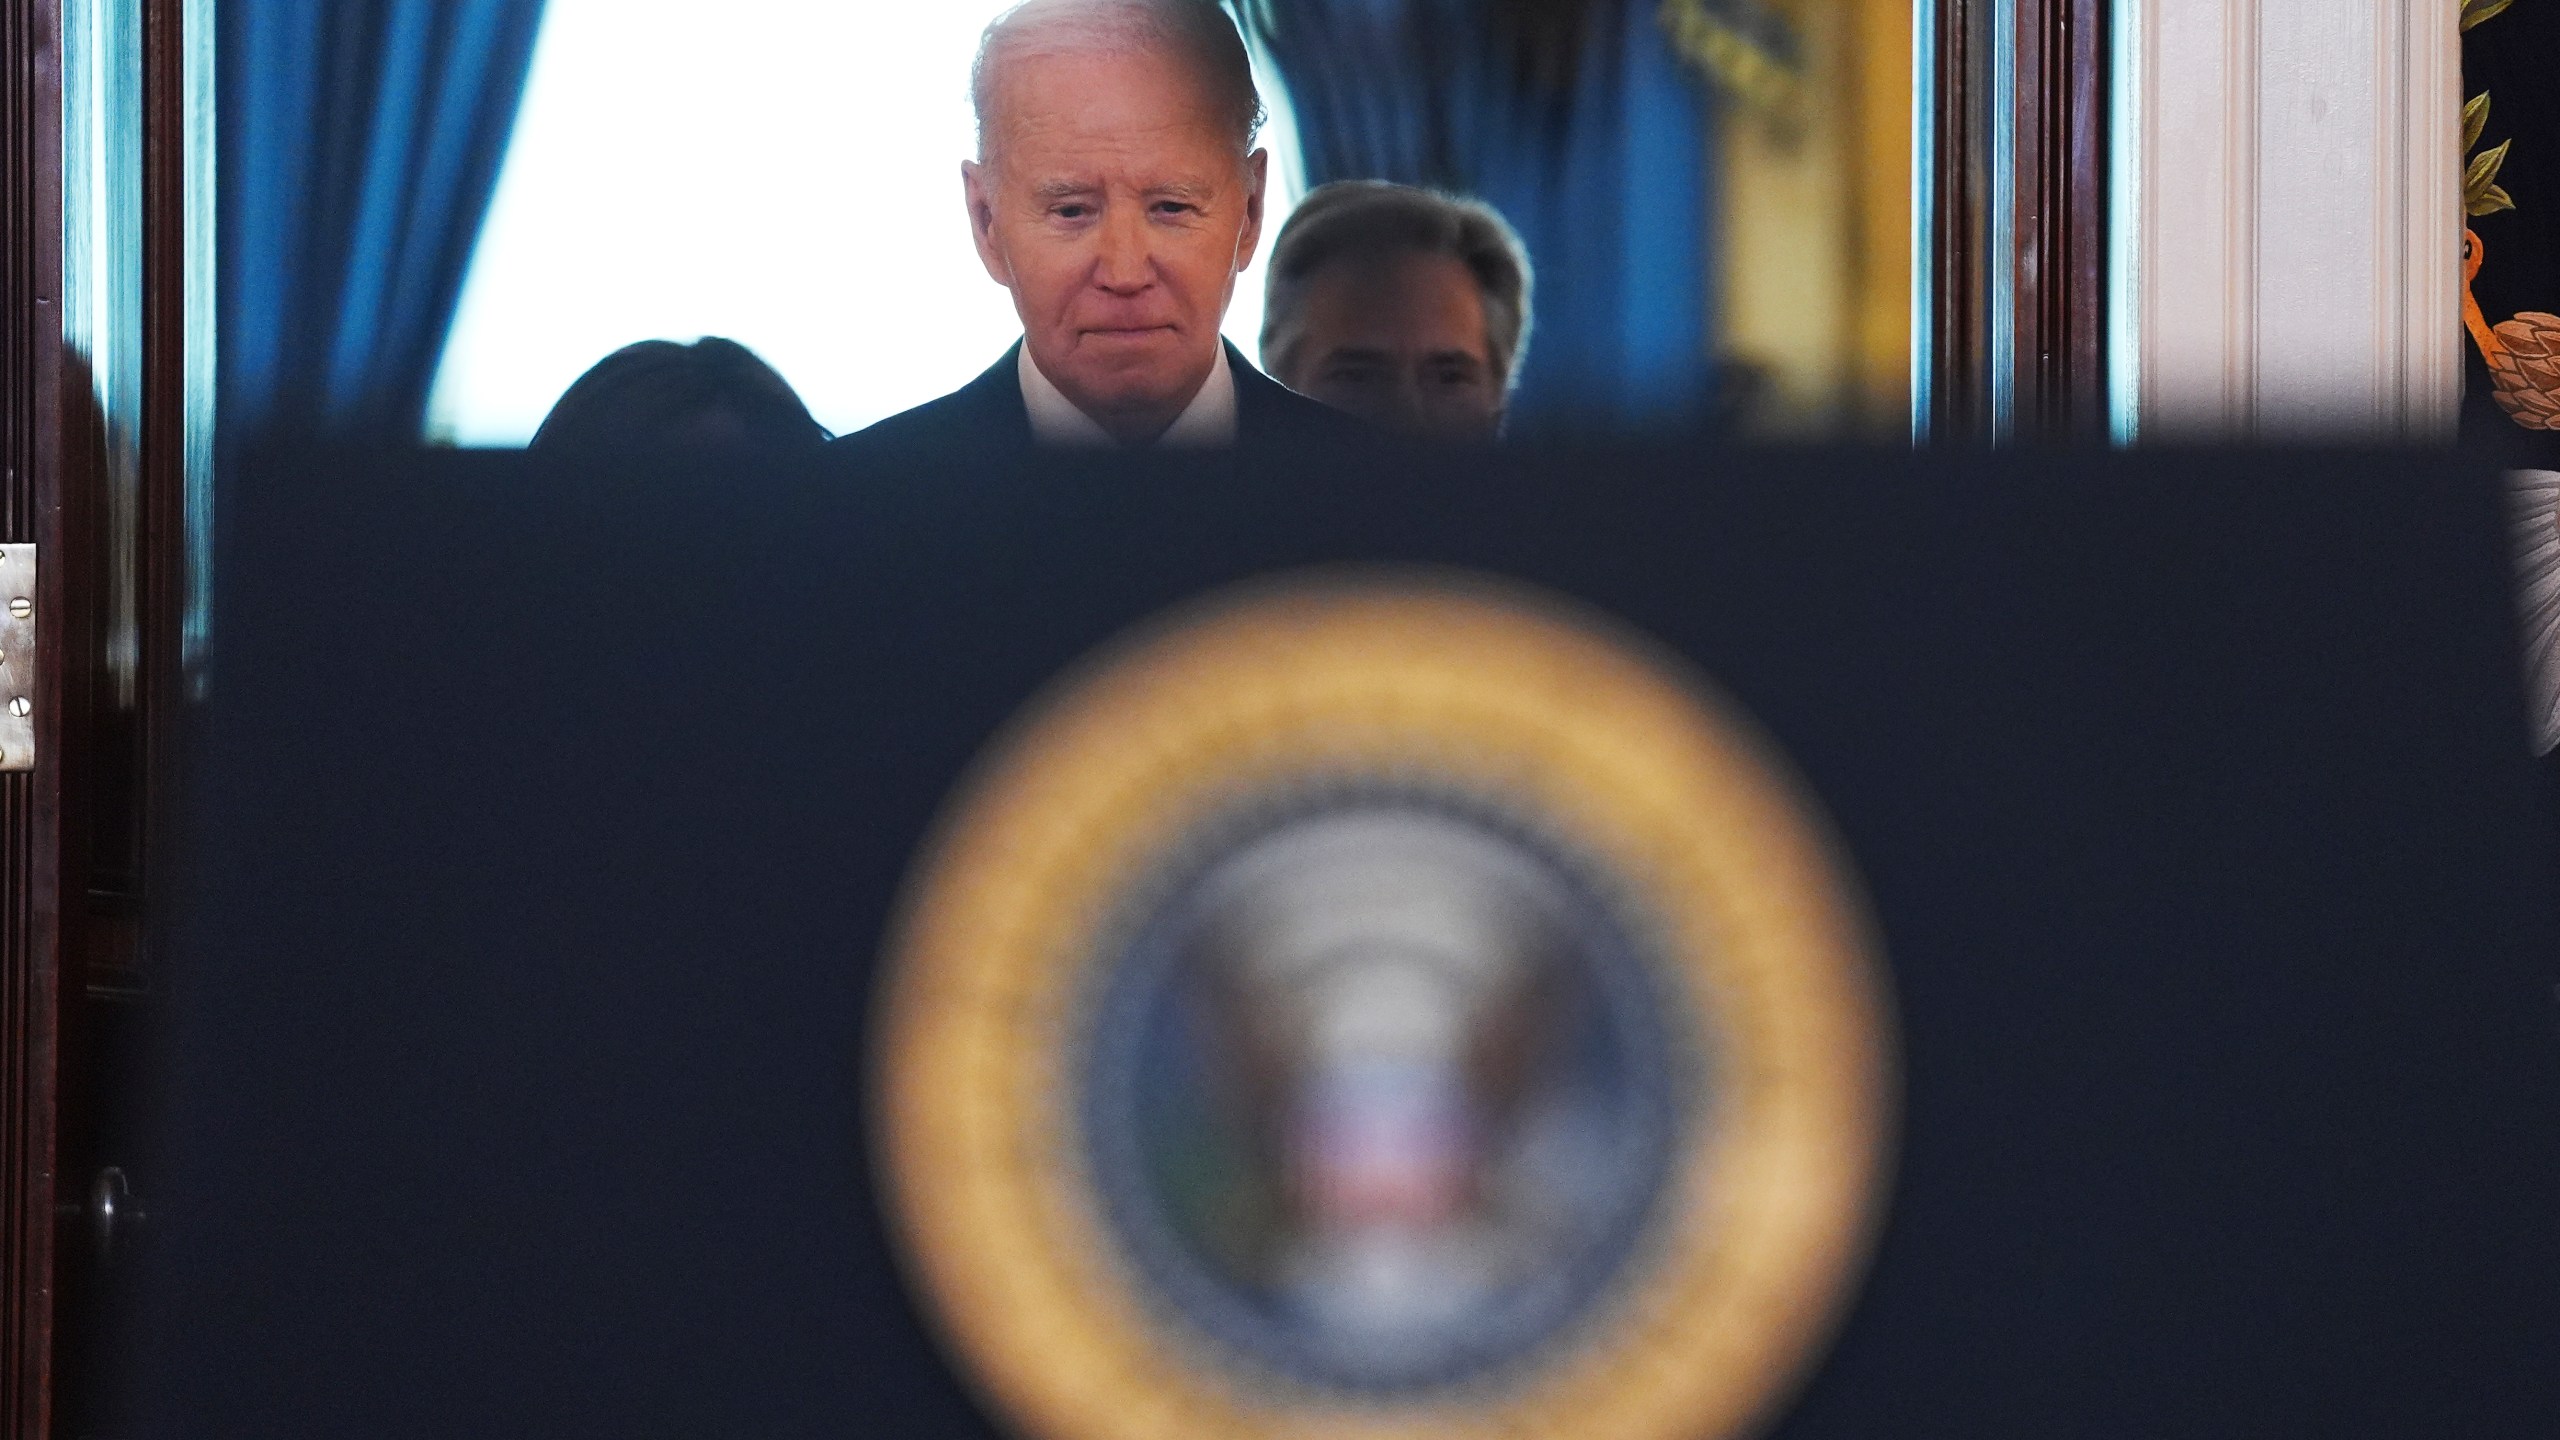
x=17, y=657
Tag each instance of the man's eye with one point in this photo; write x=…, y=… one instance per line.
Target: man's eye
x=1072, y=212
x=1453, y=376
x=1175, y=207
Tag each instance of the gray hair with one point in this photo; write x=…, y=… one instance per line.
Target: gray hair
x=1198, y=31
x=1371, y=220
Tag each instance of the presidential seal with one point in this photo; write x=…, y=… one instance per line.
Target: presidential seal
x=1383, y=1007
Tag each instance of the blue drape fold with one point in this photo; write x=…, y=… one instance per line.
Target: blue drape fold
x=360, y=143
x=1603, y=169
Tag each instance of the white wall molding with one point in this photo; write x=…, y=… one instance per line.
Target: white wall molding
x=2288, y=221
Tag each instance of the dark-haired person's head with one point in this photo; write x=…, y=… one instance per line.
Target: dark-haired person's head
x=1404, y=306
x=659, y=394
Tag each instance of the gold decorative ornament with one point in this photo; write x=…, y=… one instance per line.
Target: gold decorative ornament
x=1383, y=1007
x=1751, y=52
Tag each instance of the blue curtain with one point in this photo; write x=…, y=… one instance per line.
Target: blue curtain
x=359, y=143
x=1592, y=138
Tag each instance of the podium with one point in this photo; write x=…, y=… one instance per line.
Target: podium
x=559, y=836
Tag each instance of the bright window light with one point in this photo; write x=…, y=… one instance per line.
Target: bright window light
x=787, y=175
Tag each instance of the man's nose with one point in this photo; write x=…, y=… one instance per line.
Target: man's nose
x=1406, y=407
x=1124, y=258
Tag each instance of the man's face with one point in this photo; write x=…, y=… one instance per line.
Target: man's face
x=1401, y=342
x=1114, y=206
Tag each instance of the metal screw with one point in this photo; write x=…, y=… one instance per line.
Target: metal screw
x=20, y=706
x=22, y=607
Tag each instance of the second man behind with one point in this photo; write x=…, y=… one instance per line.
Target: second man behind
x=1406, y=307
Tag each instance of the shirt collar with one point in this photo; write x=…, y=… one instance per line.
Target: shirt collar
x=1208, y=422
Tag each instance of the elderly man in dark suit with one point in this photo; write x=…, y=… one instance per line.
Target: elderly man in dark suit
x=1117, y=193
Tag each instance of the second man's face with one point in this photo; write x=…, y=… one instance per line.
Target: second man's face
x=1114, y=206
x=1401, y=342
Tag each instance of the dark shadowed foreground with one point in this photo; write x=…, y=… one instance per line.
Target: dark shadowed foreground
x=548, y=821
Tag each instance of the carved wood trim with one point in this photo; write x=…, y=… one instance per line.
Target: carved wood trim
x=1954, y=379
x=2060, y=254
x=2016, y=232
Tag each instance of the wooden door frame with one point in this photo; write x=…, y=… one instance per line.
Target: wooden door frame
x=73, y=941
x=32, y=809
x=2012, y=188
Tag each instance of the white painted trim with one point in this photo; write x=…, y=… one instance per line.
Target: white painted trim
x=2287, y=257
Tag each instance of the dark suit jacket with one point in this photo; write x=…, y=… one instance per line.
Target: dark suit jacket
x=988, y=415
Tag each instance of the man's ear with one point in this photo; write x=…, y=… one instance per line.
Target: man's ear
x=978, y=182
x=1257, y=172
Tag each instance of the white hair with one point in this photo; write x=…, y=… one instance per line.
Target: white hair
x=1197, y=31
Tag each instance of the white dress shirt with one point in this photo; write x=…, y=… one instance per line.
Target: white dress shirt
x=1208, y=422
